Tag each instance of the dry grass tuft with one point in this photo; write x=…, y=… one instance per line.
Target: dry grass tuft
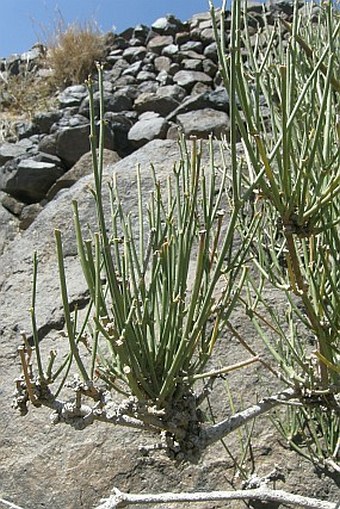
x=26, y=94
x=23, y=95
x=73, y=52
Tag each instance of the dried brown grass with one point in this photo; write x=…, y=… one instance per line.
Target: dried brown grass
x=26, y=94
x=73, y=52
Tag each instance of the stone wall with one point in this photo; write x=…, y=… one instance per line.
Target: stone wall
x=157, y=80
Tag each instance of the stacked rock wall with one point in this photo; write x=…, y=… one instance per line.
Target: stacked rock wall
x=156, y=79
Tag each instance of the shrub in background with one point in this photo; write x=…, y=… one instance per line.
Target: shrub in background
x=25, y=94
x=289, y=95
x=73, y=51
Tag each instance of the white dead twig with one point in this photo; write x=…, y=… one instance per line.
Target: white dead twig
x=214, y=433
x=9, y=504
x=119, y=499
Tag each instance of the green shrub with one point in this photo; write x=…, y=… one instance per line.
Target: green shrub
x=289, y=99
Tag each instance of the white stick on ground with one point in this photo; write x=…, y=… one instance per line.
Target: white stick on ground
x=120, y=499
x=9, y=504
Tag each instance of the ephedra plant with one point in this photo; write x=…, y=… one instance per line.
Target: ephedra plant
x=289, y=120
x=271, y=221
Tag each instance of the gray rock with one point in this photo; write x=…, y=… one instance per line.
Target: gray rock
x=164, y=78
x=48, y=158
x=141, y=32
x=195, y=34
x=126, y=34
x=173, y=132
x=191, y=64
x=197, y=18
x=217, y=100
x=187, y=79
x=10, y=151
x=117, y=69
x=130, y=91
x=28, y=180
x=200, y=88
x=133, y=69
x=167, y=25
x=147, y=87
x=148, y=66
x=13, y=206
x=36, y=52
x=162, y=63
x=44, y=120
x=120, y=124
x=135, y=41
x=29, y=144
x=206, y=24
x=125, y=81
x=29, y=214
x=48, y=144
x=69, y=119
x=119, y=43
x=58, y=214
x=118, y=101
x=192, y=45
x=160, y=103
x=209, y=67
x=147, y=129
x=13, y=64
x=253, y=6
x=114, y=56
x=189, y=53
x=204, y=122
x=24, y=129
x=207, y=36
x=149, y=58
x=9, y=227
x=171, y=51
x=182, y=37
x=210, y=51
x=82, y=168
x=145, y=76
x=74, y=142
x=134, y=53
x=58, y=467
x=174, y=91
x=174, y=67
x=158, y=43
x=72, y=96
x=285, y=6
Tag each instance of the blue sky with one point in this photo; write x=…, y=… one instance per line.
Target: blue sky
x=23, y=22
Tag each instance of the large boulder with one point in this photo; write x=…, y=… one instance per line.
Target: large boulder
x=59, y=467
x=82, y=168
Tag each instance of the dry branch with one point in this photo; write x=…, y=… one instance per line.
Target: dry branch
x=119, y=499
